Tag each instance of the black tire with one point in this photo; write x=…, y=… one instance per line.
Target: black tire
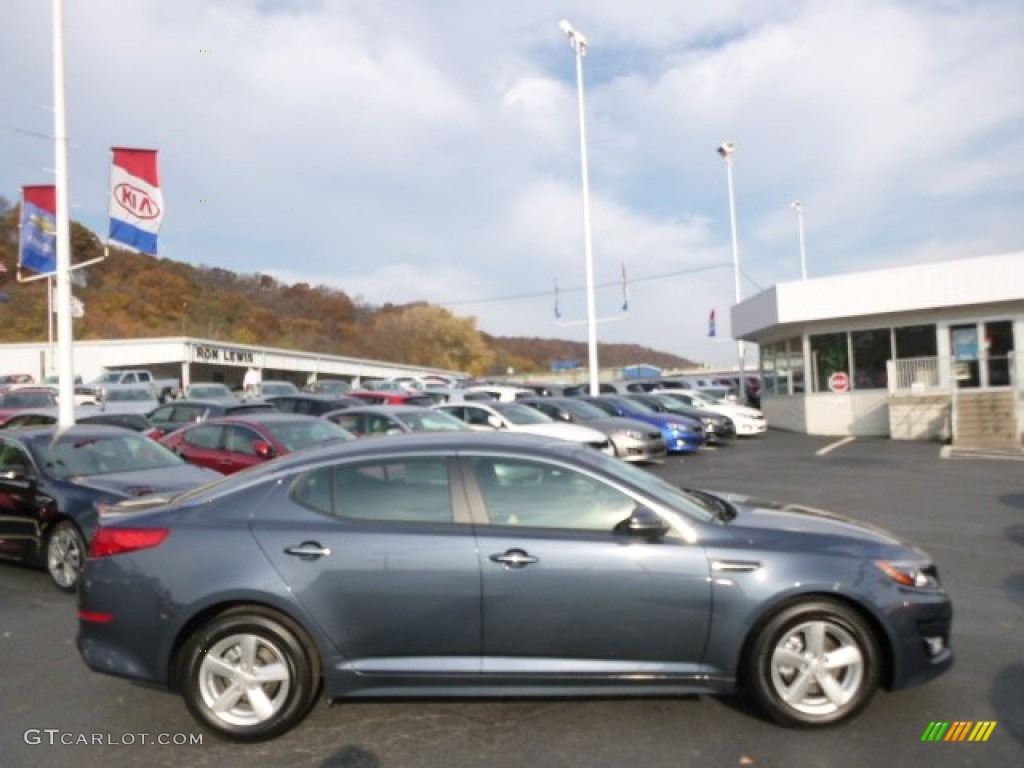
x=814, y=663
x=64, y=555
x=226, y=651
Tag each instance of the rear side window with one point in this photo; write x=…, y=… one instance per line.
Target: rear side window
x=405, y=490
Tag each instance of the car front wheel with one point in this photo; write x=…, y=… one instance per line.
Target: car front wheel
x=814, y=663
x=249, y=675
x=65, y=555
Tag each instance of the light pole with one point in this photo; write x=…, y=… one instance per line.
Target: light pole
x=727, y=150
x=797, y=206
x=579, y=47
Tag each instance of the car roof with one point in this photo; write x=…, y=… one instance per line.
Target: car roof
x=261, y=417
x=49, y=431
x=385, y=408
x=426, y=442
x=318, y=397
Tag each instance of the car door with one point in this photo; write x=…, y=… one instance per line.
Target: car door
x=381, y=554
x=562, y=590
x=20, y=502
x=201, y=445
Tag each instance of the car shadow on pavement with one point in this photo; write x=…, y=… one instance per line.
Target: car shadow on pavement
x=351, y=757
x=1007, y=702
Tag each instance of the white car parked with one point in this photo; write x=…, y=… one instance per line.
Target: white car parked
x=749, y=421
x=516, y=417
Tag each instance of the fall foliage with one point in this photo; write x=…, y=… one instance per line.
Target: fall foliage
x=133, y=295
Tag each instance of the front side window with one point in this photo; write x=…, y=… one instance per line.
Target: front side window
x=519, y=492
x=240, y=440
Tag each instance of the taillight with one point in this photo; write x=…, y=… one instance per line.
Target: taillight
x=118, y=541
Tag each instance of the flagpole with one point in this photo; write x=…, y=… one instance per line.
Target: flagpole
x=49, y=324
x=65, y=356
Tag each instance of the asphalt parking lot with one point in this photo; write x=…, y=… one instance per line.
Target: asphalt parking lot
x=967, y=512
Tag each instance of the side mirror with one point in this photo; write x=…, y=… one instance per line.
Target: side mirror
x=643, y=523
x=494, y=422
x=264, y=450
x=17, y=476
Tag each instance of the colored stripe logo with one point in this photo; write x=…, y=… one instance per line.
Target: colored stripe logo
x=959, y=730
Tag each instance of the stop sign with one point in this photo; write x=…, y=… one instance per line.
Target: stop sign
x=839, y=382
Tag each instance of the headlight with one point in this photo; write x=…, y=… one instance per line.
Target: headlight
x=911, y=574
x=680, y=427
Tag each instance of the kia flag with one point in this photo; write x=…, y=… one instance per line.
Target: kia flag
x=136, y=204
x=38, y=250
x=711, y=323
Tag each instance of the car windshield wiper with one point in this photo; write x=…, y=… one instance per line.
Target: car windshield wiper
x=724, y=511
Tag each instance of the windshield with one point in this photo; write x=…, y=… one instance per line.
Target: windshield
x=432, y=421
x=517, y=413
x=129, y=395
x=296, y=436
x=209, y=390
x=583, y=411
x=634, y=406
x=278, y=388
x=77, y=455
x=28, y=399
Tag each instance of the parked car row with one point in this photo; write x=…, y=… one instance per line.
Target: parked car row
x=369, y=561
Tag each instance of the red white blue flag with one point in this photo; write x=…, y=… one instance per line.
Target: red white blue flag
x=38, y=250
x=711, y=323
x=136, y=203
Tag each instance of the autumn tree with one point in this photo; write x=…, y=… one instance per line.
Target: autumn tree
x=422, y=334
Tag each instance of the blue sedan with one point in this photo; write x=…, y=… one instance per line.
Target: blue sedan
x=495, y=565
x=683, y=434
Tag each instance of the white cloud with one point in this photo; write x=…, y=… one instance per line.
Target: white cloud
x=401, y=151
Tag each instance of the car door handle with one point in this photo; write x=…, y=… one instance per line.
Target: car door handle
x=308, y=550
x=514, y=558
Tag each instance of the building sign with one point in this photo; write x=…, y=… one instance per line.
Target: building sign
x=202, y=353
x=965, y=344
x=839, y=382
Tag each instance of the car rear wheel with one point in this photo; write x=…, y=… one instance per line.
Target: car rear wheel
x=814, y=663
x=249, y=675
x=65, y=555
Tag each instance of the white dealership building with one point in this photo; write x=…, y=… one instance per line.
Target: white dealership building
x=929, y=351
x=193, y=360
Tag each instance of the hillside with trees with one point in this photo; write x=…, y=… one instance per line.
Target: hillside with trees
x=132, y=295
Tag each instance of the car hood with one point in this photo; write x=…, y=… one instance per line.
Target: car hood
x=165, y=481
x=758, y=520
x=574, y=432
x=621, y=423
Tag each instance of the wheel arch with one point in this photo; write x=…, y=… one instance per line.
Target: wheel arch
x=881, y=636
x=212, y=612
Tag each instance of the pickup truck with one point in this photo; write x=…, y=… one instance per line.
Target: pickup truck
x=163, y=389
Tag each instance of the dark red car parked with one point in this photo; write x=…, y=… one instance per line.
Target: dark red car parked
x=233, y=443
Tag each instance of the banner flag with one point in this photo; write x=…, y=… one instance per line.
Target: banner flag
x=77, y=307
x=136, y=203
x=711, y=323
x=38, y=249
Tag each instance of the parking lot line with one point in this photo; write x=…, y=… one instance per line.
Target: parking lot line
x=832, y=446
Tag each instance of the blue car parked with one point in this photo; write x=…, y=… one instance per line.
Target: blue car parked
x=682, y=434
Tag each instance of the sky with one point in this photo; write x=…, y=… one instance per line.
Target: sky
x=402, y=150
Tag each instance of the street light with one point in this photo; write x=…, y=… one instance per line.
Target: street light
x=579, y=47
x=797, y=206
x=727, y=150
